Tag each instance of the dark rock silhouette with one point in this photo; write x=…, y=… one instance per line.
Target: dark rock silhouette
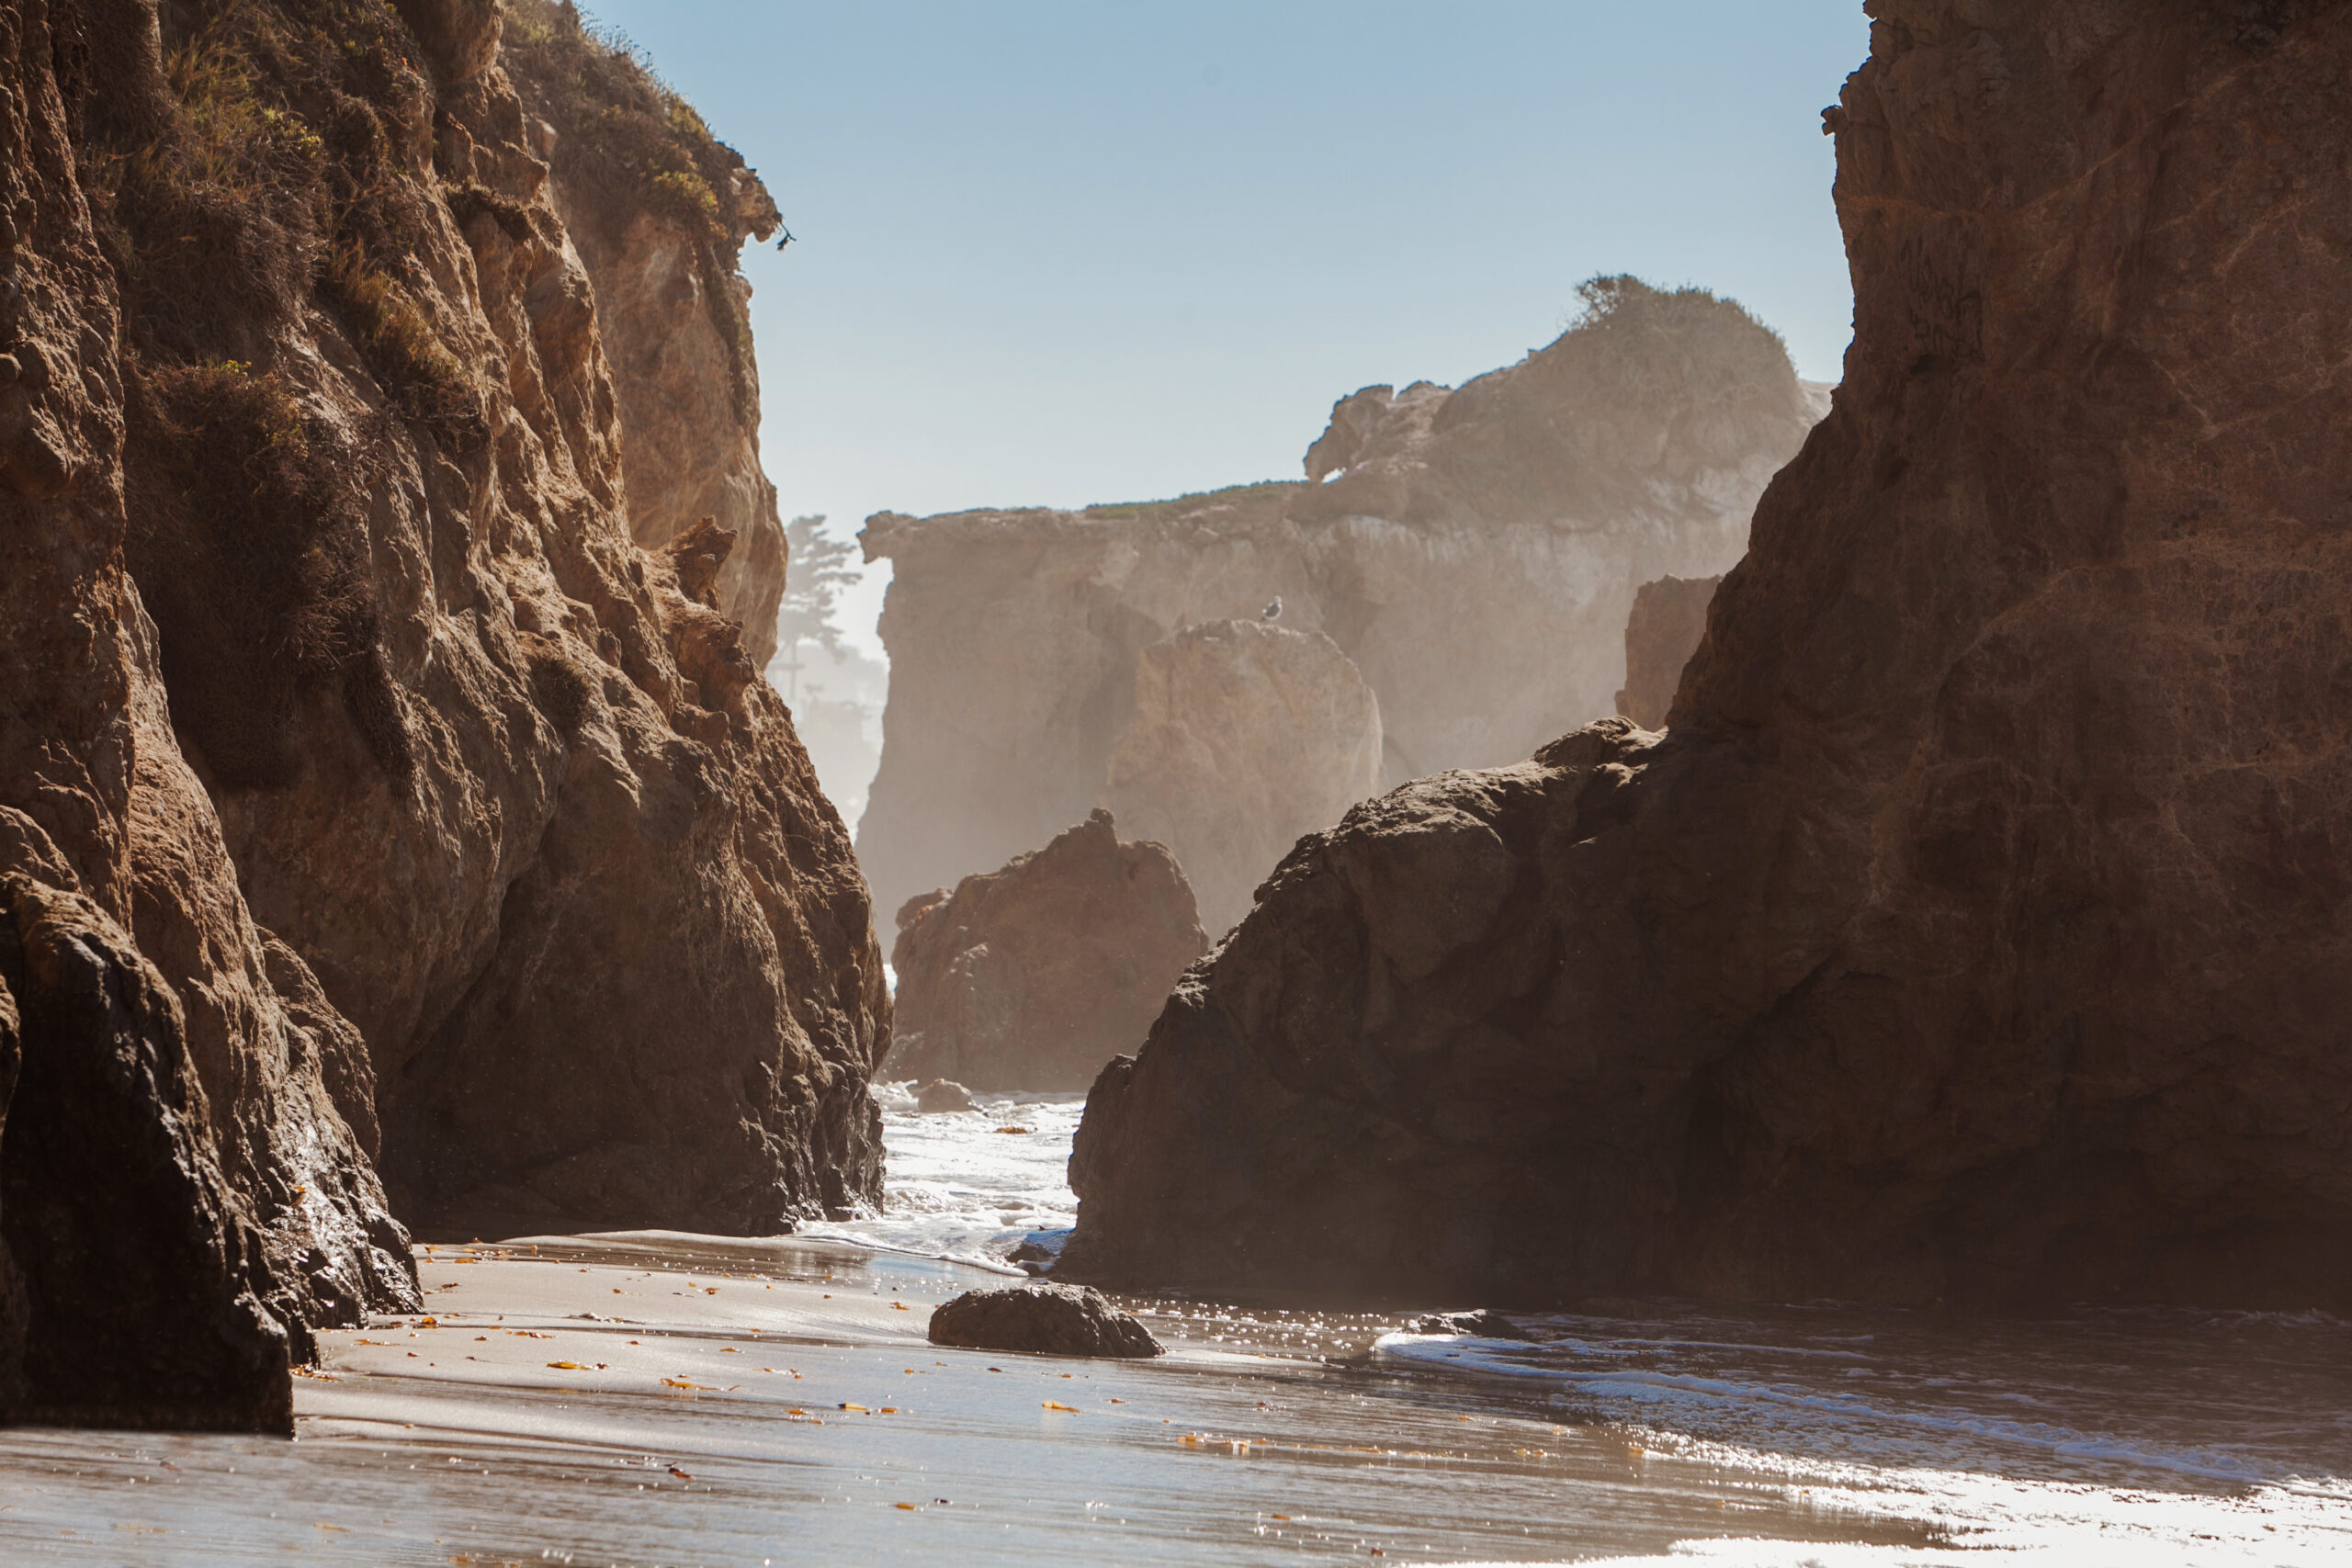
x=1046, y=1320
x=135, y=1261
x=1034, y=976
x=1669, y=617
x=1980, y=929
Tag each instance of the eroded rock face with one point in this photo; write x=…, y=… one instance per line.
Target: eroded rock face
x=1034, y=976
x=672, y=308
x=1245, y=736
x=137, y=1259
x=1046, y=1320
x=515, y=862
x=182, y=1194
x=1669, y=617
x=1474, y=551
x=1978, y=930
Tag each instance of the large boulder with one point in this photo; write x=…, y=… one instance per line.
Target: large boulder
x=1034, y=976
x=1474, y=550
x=1980, y=929
x=943, y=1096
x=1046, y=1320
x=1669, y=618
x=1245, y=736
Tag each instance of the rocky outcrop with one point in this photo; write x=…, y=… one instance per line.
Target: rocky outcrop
x=1032, y=977
x=672, y=310
x=1669, y=617
x=1980, y=929
x=135, y=1260
x=1475, y=552
x=1044, y=1320
x=1244, y=737
x=183, y=1175
x=360, y=778
x=614, y=965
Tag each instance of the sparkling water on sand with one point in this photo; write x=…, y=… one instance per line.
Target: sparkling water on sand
x=971, y=1185
x=661, y=1399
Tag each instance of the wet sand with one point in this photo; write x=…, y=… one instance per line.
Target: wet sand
x=670, y=1399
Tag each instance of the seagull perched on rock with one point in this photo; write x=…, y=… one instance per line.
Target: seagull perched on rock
x=1273, y=612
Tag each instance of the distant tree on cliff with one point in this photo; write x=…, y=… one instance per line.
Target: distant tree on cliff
x=816, y=566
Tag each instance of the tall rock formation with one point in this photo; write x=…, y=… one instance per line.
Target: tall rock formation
x=362, y=784
x=659, y=210
x=1245, y=736
x=184, y=1174
x=1980, y=929
x=1474, y=551
x=1669, y=618
x=1032, y=977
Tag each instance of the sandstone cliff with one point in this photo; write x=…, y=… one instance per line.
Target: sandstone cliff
x=1032, y=977
x=1475, y=552
x=184, y=1187
x=1669, y=618
x=367, y=781
x=659, y=210
x=1244, y=737
x=1980, y=929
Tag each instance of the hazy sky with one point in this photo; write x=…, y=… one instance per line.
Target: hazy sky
x=1055, y=251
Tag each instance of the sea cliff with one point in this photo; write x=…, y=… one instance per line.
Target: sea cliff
x=371, y=798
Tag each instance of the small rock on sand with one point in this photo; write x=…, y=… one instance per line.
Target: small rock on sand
x=943, y=1094
x=1053, y=1320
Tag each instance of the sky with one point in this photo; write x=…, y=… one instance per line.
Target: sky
x=1060, y=252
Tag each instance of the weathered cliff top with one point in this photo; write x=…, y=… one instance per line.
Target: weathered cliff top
x=1239, y=509
x=1647, y=404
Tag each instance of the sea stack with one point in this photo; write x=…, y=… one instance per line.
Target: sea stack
x=1669, y=617
x=1980, y=930
x=1033, y=976
x=1245, y=736
x=1472, y=551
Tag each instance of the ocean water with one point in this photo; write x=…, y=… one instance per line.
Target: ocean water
x=971, y=1186
x=2089, y=1435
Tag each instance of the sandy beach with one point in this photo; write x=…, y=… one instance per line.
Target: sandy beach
x=660, y=1399
x=673, y=1400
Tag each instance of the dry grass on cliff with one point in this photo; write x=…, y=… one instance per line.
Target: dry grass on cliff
x=248, y=182
x=258, y=176
x=627, y=145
